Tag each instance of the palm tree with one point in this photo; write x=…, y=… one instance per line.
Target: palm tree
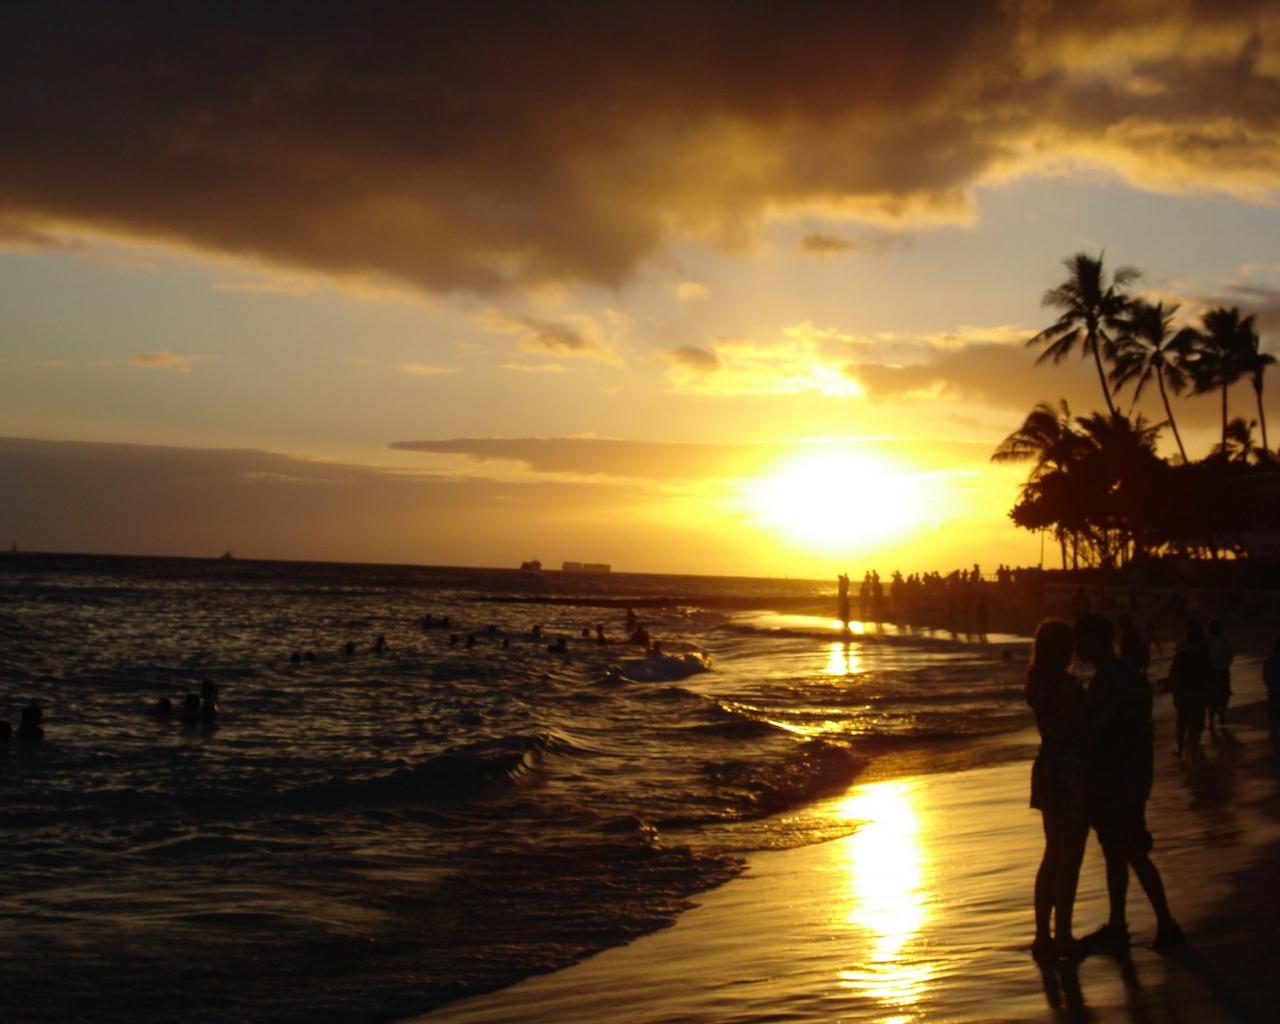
x=1091, y=305
x=1047, y=437
x=1238, y=445
x=1218, y=358
x=1150, y=348
x=1255, y=362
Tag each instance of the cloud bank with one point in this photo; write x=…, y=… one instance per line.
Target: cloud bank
x=493, y=146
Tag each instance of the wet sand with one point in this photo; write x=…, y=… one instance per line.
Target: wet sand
x=924, y=912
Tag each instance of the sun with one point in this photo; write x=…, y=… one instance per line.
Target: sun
x=829, y=500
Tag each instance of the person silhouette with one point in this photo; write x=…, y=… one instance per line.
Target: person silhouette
x=1057, y=786
x=1220, y=657
x=1190, y=677
x=842, y=601
x=1271, y=680
x=1119, y=776
x=30, y=728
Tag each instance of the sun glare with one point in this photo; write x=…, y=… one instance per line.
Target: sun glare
x=838, y=499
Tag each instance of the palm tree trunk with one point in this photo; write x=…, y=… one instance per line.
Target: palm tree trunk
x=1102, y=376
x=1262, y=416
x=1169, y=412
x=1224, y=416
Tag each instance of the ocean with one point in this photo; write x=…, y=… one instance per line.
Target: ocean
x=364, y=836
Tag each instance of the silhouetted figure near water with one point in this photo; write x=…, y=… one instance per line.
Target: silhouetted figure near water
x=561, y=646
x=1190, y=677
x=601, y=640
x=1271, y=680
x=632, y=621
x=380, y=644
x=842, y=601
x=1119, y=773
x=536, y=633
x=1220, y=658
x=191, y=710
x=1058, y=786
x=162, y=709
x=427, y=621
x=640, y=637
x=349, y=648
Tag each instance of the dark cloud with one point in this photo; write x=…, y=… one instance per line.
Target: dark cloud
x=482, y=146
x=655, y=460
x=576, y=337
x=692, y=358
x=83, y=496
x=819, y=243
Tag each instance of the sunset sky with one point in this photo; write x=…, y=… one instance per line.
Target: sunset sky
x=734, y=288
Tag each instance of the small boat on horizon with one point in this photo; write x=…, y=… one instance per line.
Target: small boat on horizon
x=531, y=566
x=592, y=567
x=227, y=556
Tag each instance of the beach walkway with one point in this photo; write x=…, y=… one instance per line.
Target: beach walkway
x=924, y=914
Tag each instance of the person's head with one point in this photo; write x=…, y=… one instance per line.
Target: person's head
x=1095, y=639
x=1052, y=649
x=164, y=707
x=1215, y=628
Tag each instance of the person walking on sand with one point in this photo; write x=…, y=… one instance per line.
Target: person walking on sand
x=1271, y=680
x=1190, y=677
x=842, y=602
x=1220, y=658
x=1057, y=786
x=1119, y=775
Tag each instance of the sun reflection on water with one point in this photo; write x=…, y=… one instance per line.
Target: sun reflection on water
x=887, y=898
x=843, y=659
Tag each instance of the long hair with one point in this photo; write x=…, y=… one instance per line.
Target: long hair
x=1051, y=653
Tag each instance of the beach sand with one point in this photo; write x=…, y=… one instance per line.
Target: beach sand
x=924, y=912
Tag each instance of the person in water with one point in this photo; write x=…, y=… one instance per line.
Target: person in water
x=640, y=637
x=380, y=644
x=1058, y=786
x=30, y=728
x=349, y=648
x=191, y=710
x=1120, y=768
x=208, y=701
x=163, y=709
x=561, y=646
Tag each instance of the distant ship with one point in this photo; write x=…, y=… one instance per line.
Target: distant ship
x=226, y=556
x=533, y=566
x=597, y=567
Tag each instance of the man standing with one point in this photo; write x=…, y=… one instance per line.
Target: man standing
x=1119, y=775
x=1221, y=656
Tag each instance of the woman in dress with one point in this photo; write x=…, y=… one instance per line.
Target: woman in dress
x=1058, y=785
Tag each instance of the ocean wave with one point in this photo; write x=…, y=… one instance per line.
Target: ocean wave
x=665, y=668
x=814, y=768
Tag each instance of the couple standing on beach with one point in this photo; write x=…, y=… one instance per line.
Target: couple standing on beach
x=1094, y=769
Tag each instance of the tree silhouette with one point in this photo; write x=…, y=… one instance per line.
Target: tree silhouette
x=1254, y=362
x=1219, y=357
x=1148, y=347
x=1091, y=306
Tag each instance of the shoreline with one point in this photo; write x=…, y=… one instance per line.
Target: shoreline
x=924, y=911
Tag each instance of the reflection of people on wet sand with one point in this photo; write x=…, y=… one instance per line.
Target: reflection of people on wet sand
x=1057, y=785
x=1120, y=767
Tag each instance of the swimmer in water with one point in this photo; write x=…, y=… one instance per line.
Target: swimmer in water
x=561, y=646
x=471, y=640
x=601, y=641
x=506, y=643
x=191, y=710
x=296, y=658
x=536, y=632
x=349, y=648
x=427, y=621
x=208, y=700
x=162, y=709
x=640, y=637
x=380, y=644
x=632, y=621
x=30, y=730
